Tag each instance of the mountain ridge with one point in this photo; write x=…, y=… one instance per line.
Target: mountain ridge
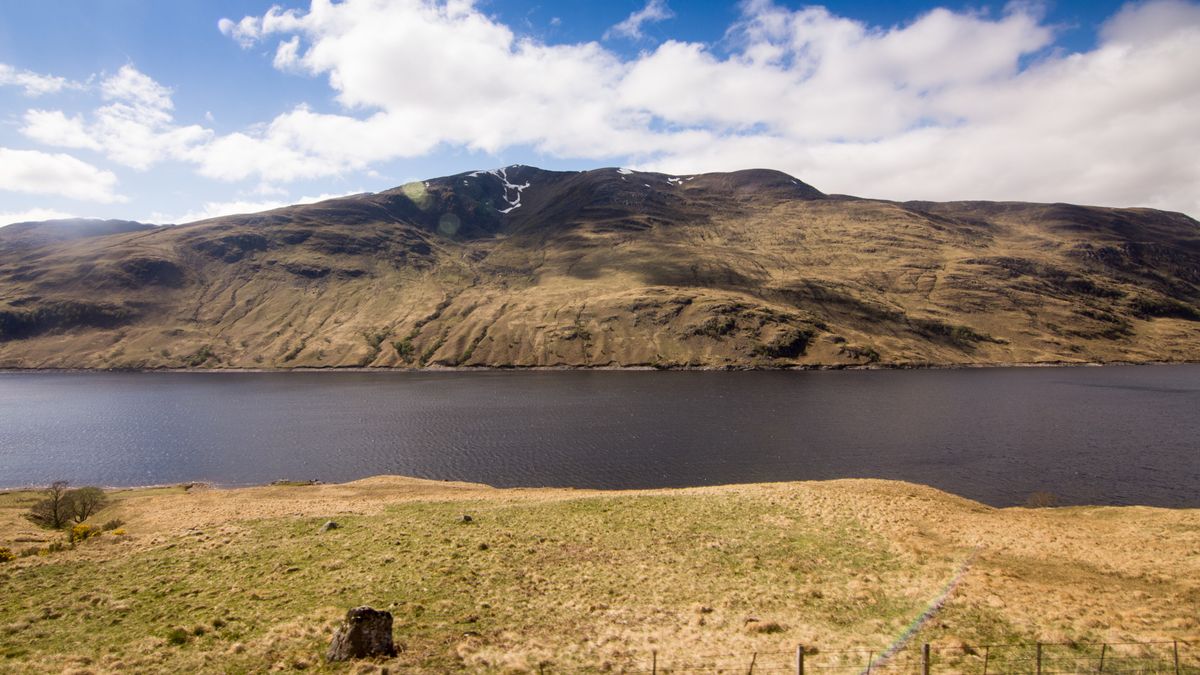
x=522, y=267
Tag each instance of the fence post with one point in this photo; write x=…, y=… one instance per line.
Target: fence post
x=987, y=653
x=1175, y=649
x=1103, y=651
x=752, y=660
x=654, y=662
x=1039, y=658
x=925, y=659
x=799, y=659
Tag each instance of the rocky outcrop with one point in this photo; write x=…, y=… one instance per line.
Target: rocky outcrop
x=365, y=633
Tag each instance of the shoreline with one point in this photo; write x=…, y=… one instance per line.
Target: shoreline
x=638, y=368
x=209, y=486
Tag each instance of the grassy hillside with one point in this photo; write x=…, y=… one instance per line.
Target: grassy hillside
x=608, y=268
x=245, y=580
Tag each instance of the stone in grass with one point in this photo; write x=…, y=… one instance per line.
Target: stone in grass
x=366, y=632
x=329, y=525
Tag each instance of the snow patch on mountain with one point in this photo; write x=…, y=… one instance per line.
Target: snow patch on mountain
x=515, y=202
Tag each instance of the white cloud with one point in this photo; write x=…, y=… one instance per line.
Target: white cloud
x=949, y=105
x=1111, y=126
x=287, y=55
x=135, y=88
x=54, y=127
x=41, y=173
x=136, y=128
x=31, y=215
x=244, y=32
x=1138, y=23
x=938, y=108
x=216, y=209
x=33, y=84
x=631, y=27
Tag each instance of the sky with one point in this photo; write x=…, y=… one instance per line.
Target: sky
x=174, y=111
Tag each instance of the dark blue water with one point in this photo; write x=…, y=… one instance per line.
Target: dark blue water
x=1117, y=435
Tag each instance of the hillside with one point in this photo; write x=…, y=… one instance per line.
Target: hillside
x=201, y=580
x=521, y=267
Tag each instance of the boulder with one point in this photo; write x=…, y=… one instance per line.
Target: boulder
x=366, y=632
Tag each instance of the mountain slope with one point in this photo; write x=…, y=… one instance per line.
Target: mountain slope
x=522, y=267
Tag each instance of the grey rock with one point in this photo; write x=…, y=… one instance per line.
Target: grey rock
x=365, y=632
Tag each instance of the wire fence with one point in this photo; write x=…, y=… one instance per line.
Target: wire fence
x=1171, y=657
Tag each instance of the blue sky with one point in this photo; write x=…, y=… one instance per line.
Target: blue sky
x=159, y=111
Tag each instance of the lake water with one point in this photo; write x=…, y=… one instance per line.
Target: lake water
x=1115, y=435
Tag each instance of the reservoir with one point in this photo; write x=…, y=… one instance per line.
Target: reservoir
x=1111, y=435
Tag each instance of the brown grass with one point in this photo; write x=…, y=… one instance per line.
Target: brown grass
x=580, y=579
x=701, y=278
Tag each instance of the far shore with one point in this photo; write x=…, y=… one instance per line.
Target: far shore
x=633, y=368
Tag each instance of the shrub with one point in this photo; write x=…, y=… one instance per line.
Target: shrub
x=177, y=636
x=113, y=524
x=53, y=547
x=715, y=326
x=82, y=532
x=405, y=349
x=7, y=555
x=1041, y=500
x=199, y=357
x=855, y=352
x=119, y=532
x=55, y=510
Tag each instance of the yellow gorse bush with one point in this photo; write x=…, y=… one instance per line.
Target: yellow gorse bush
x=81, y=532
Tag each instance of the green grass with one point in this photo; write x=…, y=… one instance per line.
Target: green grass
x=521, y=577
x=244, y=580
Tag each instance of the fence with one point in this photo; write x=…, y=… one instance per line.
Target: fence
x=1175, y=657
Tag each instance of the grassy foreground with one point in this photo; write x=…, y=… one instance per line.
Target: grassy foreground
x=244, y=580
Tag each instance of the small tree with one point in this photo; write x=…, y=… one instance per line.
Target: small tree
x=55, y=510
x=86, y=501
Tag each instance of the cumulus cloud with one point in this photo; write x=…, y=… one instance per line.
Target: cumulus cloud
x=631, y=27
x=951, y=104
x=136, y=128
x=33, y=84
x=948, y=105
x=1139, y=23
x=41, y=173
x=31, y=215
x=227, y=208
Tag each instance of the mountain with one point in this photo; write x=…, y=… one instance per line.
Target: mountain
x=521, y=267
x=31, y=234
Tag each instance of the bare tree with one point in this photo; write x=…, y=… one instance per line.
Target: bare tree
x=55, y=511
x=86, y=501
